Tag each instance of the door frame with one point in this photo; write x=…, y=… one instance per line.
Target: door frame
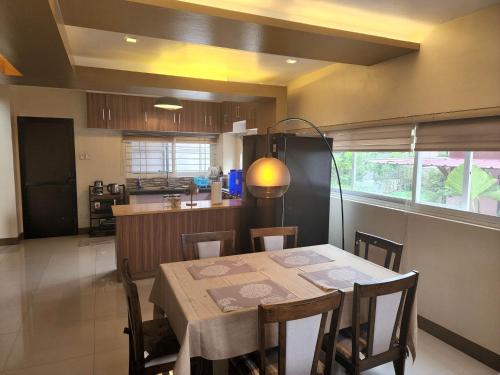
x=70, y=122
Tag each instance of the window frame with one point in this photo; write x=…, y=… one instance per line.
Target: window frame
x=173, y=171
x=416, y=207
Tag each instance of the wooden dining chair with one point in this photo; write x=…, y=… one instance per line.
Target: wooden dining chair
x=208, y=244
x=274, y=238
x=153, y=346
x=384, y=338
x=390, y=248
x=301, y=328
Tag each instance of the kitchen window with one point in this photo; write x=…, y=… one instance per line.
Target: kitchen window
x=186, y=156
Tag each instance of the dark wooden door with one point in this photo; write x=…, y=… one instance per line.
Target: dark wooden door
x=48, y=177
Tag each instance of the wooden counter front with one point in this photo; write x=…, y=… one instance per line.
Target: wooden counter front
x=149, y=234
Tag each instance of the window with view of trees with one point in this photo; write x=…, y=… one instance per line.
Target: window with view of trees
x=461, y=180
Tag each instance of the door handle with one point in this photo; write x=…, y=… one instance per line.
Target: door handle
x=109, y=114
x=103, y=117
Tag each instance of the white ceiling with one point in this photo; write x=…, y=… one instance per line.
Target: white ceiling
x=104, y=49
x=408, y=20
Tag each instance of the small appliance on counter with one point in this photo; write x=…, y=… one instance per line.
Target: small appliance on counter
x=113, y=188
x=216, y=192
x=97, y=188
x=235, y=182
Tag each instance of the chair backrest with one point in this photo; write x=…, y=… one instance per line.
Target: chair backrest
x=134, y=314
x=208, y=244
x=390, y=247
x=274, y=238
x=390, y=304
x=301, y=328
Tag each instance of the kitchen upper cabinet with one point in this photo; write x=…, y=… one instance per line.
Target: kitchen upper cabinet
x=238, y=111
x=125, y=112
x=198, y=117
x=158, y=119
x=118, y=112
x=97, y=109
x=226, y=117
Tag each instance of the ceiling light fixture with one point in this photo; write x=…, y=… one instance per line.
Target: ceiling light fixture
x=168, y=103
x=130, y=39
x=291, y=61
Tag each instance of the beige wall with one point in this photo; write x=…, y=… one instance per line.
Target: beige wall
x=102, y=146
x=458, y=264
x=456, y=69
x=8, y=212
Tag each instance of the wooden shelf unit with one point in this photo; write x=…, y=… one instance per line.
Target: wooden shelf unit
x=101, y=220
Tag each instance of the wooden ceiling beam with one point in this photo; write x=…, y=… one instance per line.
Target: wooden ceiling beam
x=30, y=40
x=223, y=28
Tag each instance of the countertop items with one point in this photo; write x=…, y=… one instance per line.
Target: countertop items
x=164, y=190
x=158, y=208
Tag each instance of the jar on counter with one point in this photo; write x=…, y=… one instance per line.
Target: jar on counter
x=175, y=201
x=167, y=201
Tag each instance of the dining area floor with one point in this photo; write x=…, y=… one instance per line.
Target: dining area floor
x=63, y=311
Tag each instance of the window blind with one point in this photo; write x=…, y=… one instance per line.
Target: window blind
x=194, y=154
x=375, y=138
x=148, y=156
x=473, y=134
x=151, y=155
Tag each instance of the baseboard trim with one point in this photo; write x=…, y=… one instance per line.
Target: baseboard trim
x=9, y=241
x=83, y=230
x=470, y=348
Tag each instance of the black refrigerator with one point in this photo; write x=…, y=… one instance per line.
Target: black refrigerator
x=307, y=202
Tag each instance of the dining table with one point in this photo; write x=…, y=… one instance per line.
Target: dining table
x=215, y=328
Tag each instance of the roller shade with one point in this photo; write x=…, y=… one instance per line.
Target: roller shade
x=376, y=138
x=474, y=134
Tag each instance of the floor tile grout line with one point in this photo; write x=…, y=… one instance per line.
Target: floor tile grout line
x=2, y=370
x=95, y=305
x=45, y=363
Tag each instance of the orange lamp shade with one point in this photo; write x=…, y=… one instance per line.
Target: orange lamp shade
x=268, y=177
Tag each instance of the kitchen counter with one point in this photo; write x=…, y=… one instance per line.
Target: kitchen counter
x=149, y=234
x=158, y=208
x=164, y=190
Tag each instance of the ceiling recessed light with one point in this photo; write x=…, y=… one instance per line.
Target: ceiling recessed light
x=130, y=39
x=291, y=61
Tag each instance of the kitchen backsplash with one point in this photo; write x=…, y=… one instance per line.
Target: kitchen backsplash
x=158, y=182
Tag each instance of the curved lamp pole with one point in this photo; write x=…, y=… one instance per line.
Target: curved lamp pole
x=269, y=177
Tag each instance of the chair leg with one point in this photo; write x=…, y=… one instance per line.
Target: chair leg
x=399, y=366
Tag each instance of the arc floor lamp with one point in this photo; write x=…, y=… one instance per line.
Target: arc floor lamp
x=268, y=177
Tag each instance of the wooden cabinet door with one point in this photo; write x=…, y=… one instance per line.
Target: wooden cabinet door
x=226, y=117
x=251, y=115
x=213, y=118
x=134, y=115
x=158, y=119
x=186, y=118
x=239, y=111
x=117, y=112
x=96, y=110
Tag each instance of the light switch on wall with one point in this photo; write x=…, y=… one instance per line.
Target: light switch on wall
x=83, y=156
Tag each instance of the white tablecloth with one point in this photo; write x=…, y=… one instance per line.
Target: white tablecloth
x=203, y=330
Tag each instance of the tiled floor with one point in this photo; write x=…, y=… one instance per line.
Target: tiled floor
x=62, y=312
